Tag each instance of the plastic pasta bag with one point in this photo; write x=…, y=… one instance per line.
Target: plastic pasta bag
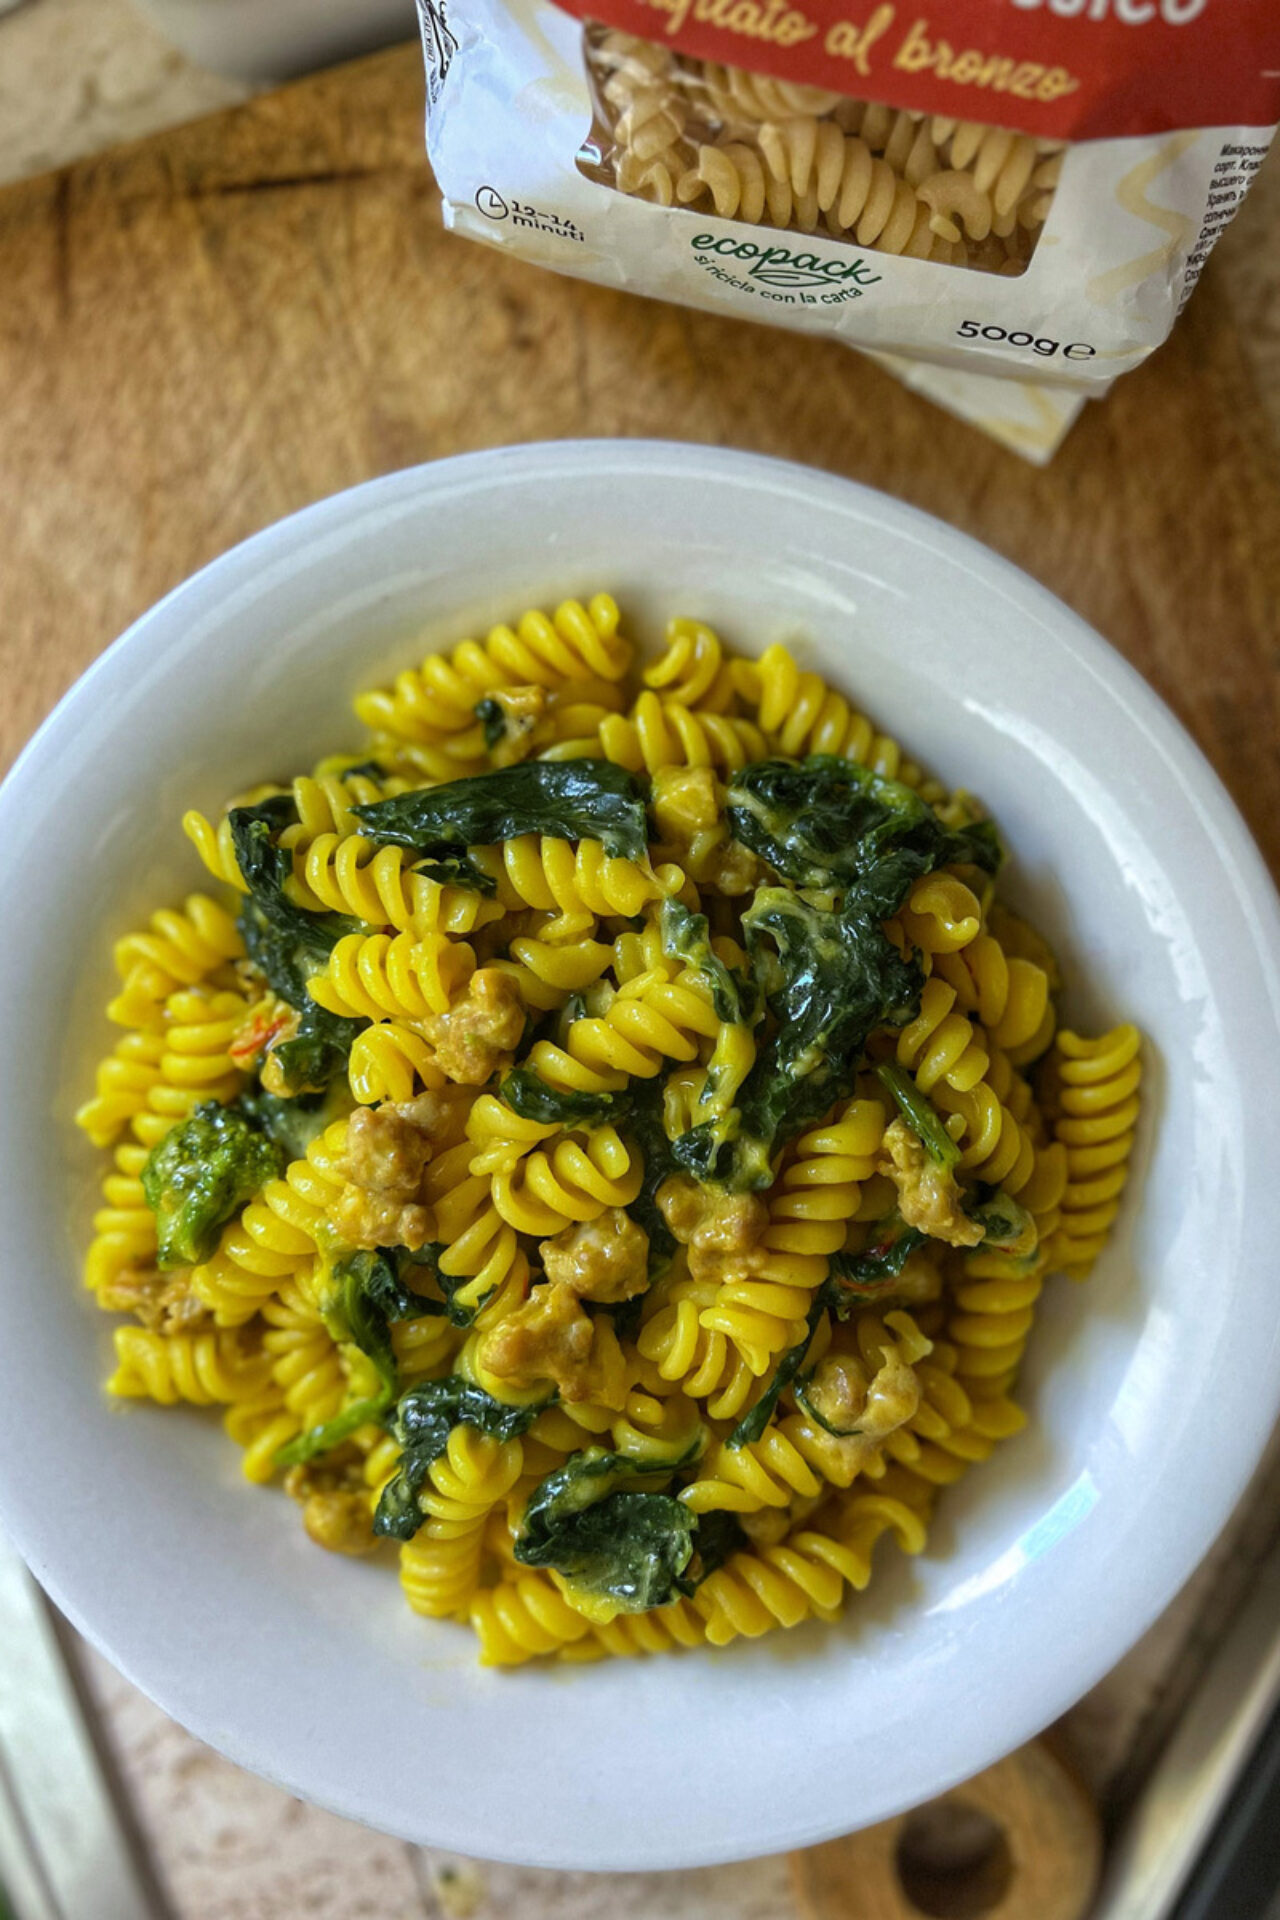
x=1006, y=201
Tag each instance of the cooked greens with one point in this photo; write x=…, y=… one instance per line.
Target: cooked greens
x=288, y=945
x=611, y=1541
x=200, y=1175
x=533, y=1098
x=856, y=1277
x=422, y=1423
x=919, y=1113
x=563, y=799
x=363, y=1297
x=828, y=823
x=687, y=936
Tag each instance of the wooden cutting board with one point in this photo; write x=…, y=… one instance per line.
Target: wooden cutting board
x=205, y=331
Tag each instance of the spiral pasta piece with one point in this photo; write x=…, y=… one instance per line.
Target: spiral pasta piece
x=661, y=732
x=436, y=702
x=372, y=976
x=800, y=714
x=276, y=1235
x=440, y=1567
x=1093, y=1096
x=577, y=1180
x=200, y=1368
x=815, y=1196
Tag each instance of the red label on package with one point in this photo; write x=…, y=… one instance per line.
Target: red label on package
x=1063, y=69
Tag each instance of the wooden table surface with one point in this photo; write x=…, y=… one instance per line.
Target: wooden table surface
x=203, y=332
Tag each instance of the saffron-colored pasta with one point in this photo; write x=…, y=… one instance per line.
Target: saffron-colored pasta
x=611, y=1139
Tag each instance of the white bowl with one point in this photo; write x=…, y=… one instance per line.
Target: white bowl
x=1152, y=1389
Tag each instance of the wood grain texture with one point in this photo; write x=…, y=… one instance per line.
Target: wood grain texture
x=212, y=328
x=1043, y=1864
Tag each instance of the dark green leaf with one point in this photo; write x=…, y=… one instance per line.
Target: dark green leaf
x=200, y=1175
x=457, y=871
x=294, y=1123
x=422, y=1423
x=829, y=823
x=807, y=1405
x=830, y=979
x=564, y=799
x=644, y=1127
x=288, y=945
x=716, y=1538
x=492, y=719
x=687, y=936
x=318, y=1051
x=532, y=1098
x=362, y=1299
x=919, y=1113
x=1007, y=1227
x=587, y=1523
x=857, y=1277
x=753, y=1423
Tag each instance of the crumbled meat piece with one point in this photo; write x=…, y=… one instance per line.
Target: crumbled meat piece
x=548, y=1338
x=481, y=1033
x=341, y=1522
x=929, y=1196
x=841, y=1395
x=163, y=1302
x=722, y=1231
x=387, y=1150
x=336, y=1509
x=686, y=807
x=605, y=1259
x=918, y=1283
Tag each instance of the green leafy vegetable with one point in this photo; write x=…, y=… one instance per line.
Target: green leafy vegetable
x=612, y=1542
x=564, y=799
x=1006, y=1225
x=457, y=871
x=294, y=1123
x=804, y=1401
x=644, y=1126
x=717, y=1537
x=687, y=936
x=533, y=1098
x=919, y=1113
x=492, y=719
x=364, y=1296
x=856, y=1277
x=318, y=1052
x=289, y=945
x=198, y=1177
x=829, y=979
x=829, y=823
x=422, y=1423
x=753, y=1423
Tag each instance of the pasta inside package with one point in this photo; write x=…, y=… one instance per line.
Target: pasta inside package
x=1007, y=201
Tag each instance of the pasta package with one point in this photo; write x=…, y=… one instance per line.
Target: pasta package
x=1007, y=201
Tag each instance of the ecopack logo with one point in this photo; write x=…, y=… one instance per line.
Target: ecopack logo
x=774, y=266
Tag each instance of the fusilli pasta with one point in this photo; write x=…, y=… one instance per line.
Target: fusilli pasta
x=613, y=1138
